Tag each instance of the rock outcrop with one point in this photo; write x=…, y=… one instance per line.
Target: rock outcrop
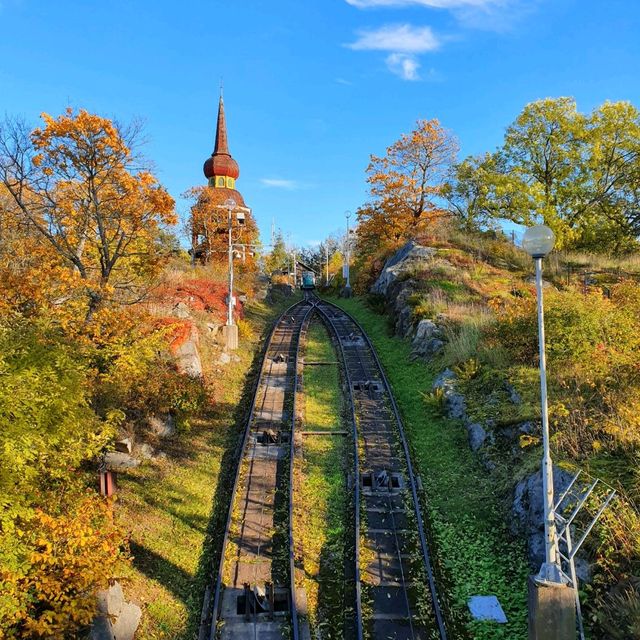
x=117, y=618
x=400, y=264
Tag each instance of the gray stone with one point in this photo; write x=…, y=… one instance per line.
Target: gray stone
x=124, y=446
x=444, y=379
x=583, y=569
x=163, y=425
x=181, y=310
x=110, y=600
x=118, y=461
x=101, y=629
x=188, y=357
x=527, y=428
x=427, y=340
x=117, y=619
x=477, y=436
x=223, y=358
x=146, y=451
x=127, y=622
x=486, y=608
x=528, y=510
x=400, y=263
x=455, y=405
x=426, y=330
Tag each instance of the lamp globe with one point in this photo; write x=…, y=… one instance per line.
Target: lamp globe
x=538, y=241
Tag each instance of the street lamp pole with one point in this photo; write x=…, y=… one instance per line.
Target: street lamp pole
x=538, y=241
x=231, y=205
x=230, y=330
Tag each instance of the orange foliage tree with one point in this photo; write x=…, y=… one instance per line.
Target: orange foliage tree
x=405, y=186
x=77, y=184
x=209, y=223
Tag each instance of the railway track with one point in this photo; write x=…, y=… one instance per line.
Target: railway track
x=254, y=595
x=396, y=596
x=255, y=592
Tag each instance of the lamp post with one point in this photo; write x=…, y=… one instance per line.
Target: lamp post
x=538, y=242
x=231, y=330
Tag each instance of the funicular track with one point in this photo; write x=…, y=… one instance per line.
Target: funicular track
x=396, y=596
x=254, y=593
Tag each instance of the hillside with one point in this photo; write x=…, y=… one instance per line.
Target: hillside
x=465, y=307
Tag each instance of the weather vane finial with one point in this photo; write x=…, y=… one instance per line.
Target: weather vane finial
x=221, y=86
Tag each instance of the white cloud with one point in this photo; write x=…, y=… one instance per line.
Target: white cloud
x=403, y=65
x=399, y=38
x=433, y=4
x=348, y=83
x=279, y=183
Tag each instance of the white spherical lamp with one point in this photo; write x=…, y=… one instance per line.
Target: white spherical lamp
x=538, y=241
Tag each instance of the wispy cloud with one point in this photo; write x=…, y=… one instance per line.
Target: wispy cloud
x=280, y=183
x=403, y=42
x=398, y=38
x=432, y=4
x=495, y=15
x=404, y=65
x=347, y=83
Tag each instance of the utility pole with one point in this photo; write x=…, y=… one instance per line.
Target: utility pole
x=347, y=288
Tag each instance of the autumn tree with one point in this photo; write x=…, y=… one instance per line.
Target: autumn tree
x=208, y=227
x=406, y=188
x=577, y=173
x=78, y=183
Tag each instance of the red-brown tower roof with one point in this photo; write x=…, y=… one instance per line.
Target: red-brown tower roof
x=221, y=163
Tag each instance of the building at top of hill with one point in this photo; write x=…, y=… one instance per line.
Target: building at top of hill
x=209, y=216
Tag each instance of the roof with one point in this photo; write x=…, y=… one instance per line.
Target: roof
x=221, y=163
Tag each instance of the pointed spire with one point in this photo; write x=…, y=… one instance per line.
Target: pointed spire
x=221, y=164
x=222, y=146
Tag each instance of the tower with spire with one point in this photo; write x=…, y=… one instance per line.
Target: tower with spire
x=208, y=222
x=220, y=169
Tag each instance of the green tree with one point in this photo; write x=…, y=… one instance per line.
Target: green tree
x=578, y=174
x=278, y=258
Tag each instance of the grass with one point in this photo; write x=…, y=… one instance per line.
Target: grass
x=474, y=553
x=172, y=508
x=321, y=493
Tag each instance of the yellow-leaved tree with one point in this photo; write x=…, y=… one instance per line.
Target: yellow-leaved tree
x=78, y=185
x=406, y=187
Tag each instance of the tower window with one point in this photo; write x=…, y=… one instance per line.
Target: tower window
x=220, y=182
x=231, y=183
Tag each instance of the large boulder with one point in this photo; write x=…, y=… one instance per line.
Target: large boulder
x=117, y=619
x=398, y=294
x=401, y=263
x=188, y=357
x=527, y=510
x=427, y=339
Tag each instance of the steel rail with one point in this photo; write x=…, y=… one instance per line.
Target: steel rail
x=356, y=473
x=411, y=475
x=239, y=455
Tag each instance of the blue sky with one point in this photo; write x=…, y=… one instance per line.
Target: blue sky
x=312, y=87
